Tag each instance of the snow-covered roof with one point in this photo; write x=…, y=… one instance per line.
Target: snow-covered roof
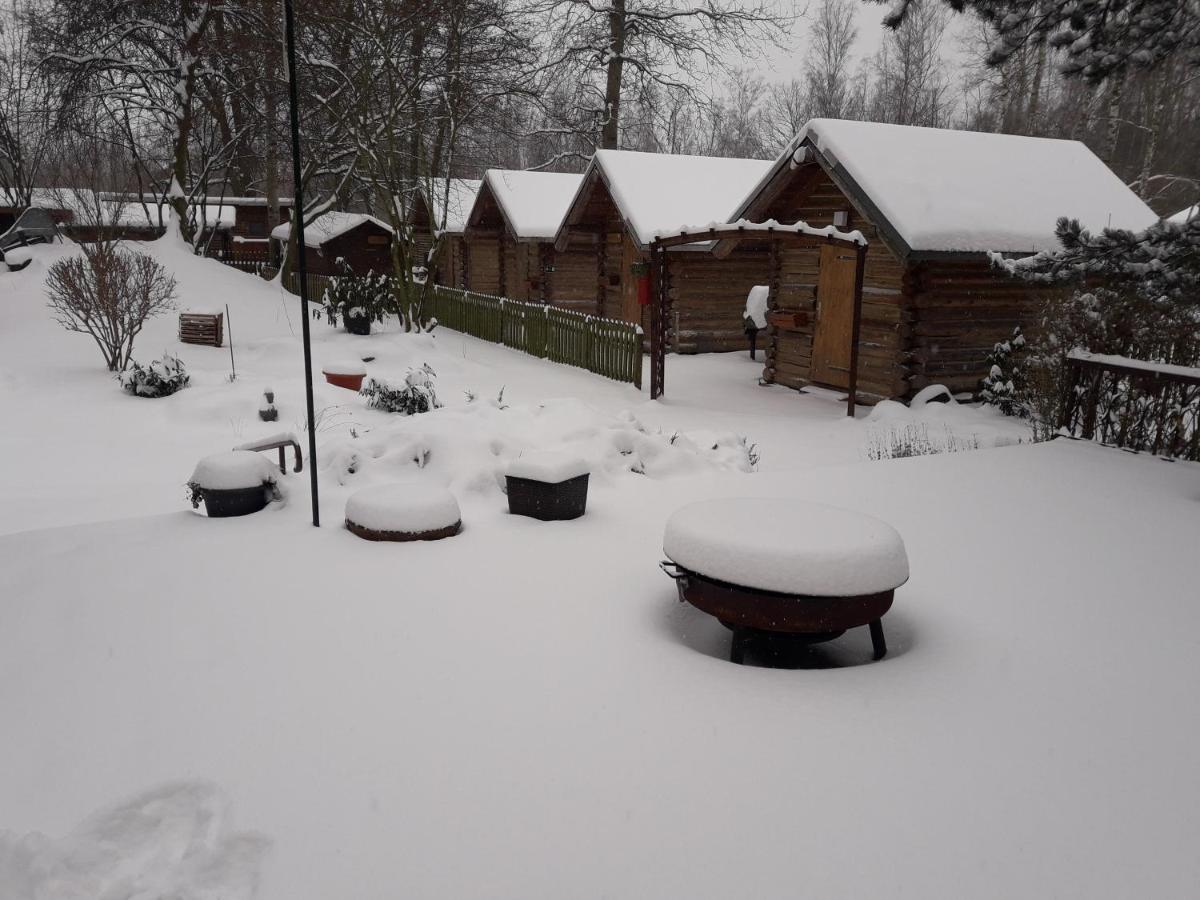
x=940, y=190
x=41, y=197
x=533, y=203
x=127, y=211
x=663, y=192
x=459, y=196
x=132, y=214
x=1185, y=215
x=327, y=226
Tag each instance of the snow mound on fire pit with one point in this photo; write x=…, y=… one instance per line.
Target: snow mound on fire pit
x=787, y=546
x=407, y=507
x=233, y=470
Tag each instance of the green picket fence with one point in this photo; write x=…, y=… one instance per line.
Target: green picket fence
x=604, y=346
x=316, y=284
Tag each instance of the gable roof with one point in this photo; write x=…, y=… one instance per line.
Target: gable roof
x=934, y=191
x=327, y=226
x=664, y=192
x=458, y=196
x=532, y=204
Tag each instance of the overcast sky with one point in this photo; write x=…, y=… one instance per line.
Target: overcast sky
x=780, y=65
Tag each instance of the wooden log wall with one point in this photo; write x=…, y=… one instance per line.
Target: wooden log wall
x=960, y=311
x=709, y=297
x=484, y=265
x=884, y=365
x=573, y=283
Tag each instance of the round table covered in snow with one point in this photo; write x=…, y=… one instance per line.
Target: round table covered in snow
x=785, y=567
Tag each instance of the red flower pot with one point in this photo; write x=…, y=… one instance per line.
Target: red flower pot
x=349, y=382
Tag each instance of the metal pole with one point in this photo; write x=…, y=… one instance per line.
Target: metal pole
x=301, y=267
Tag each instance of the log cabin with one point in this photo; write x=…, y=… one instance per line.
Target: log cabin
x=624, y=199
x=932, y=203
x=362, y=240
x=440, y=208
x=510, y=241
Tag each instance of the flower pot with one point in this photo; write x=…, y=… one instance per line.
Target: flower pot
x=269, y=415
x=349, y=382
x=549, y=502
x=237, y=502
x=358, y=324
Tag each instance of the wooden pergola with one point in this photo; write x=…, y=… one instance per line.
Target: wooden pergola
x=799, y=233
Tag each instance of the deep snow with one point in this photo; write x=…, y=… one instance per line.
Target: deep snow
x=526, y=710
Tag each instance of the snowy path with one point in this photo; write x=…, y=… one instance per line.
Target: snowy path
x=526, y=711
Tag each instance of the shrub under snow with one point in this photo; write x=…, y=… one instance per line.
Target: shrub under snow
x=158, y=379
x=416, y=395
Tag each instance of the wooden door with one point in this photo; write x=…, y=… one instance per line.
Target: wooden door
x=835, y=316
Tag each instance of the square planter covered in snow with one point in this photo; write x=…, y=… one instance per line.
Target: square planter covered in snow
x=547, y=486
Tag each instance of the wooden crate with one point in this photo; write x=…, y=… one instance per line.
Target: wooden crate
x=202, y=328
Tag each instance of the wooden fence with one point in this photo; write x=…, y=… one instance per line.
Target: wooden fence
x=604, y=346
x=1133, y=404
x=316, y=284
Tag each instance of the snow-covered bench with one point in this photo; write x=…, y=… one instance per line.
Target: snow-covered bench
x=785, y=567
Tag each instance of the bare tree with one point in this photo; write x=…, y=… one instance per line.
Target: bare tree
x=910, y=84
x=31, y=106
x=827, y=64
x=620, y=48
x=109, y=292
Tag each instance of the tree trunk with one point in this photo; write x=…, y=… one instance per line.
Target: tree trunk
x=610, y=136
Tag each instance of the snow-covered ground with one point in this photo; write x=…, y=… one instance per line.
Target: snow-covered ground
x=525, y=710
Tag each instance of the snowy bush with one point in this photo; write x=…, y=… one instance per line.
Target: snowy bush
x=416, y=395
x=1028, y=376
x=159, y=379
x=109, y=292
x=1005, y=378
x=914, y=440
x=349, y=296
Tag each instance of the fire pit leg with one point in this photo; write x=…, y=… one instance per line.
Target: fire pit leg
x=877, y=641
x=737, y=649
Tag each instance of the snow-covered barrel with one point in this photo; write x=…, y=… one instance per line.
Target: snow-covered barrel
x=785, y=566
x=407, y=511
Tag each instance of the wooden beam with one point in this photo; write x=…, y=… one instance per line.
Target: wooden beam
x=859, y=266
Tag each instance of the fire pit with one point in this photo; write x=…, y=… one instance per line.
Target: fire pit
x=781, y=568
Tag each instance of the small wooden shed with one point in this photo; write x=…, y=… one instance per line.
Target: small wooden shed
x=931, y=203
x=362, y=240
x=625, y=199
x=441, y=206
x=510, y=241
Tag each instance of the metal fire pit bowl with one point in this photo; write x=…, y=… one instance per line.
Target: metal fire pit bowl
x=751, y=613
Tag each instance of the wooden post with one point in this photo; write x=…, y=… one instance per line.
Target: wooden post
x=859, y=266
x=658, y=312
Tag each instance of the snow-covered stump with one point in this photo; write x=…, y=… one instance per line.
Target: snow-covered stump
x=767, y=567
x=403, y=512
x=345, y=373
x=548, y=486
x=233, y=483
